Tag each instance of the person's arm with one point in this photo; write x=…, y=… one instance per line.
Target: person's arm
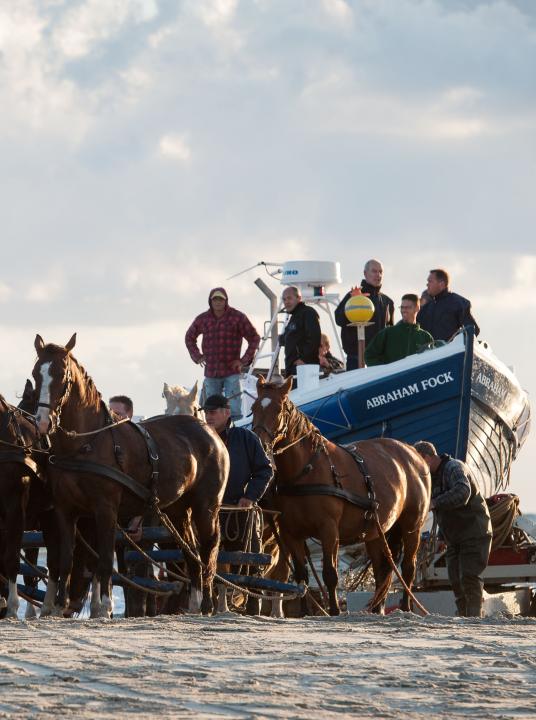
x=340, y=316
x=468, y=318
x=311, y=328
x=193, y=332
x=374, y=352
x=252, y=337
x=458, y=490
x=390, y=313
x=261, y=469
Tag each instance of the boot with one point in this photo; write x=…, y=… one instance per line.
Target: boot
x=461, y=606
x=474, y=609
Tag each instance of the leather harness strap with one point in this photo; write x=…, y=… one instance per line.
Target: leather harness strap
x=88, y=466
x=330, y=490
x=20, y=458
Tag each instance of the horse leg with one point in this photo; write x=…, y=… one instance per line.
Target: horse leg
x=411, y=541
x=208, y=532
x=329, y=538
x=15, y=519
x=105, y=519
x=52, y=542
x=382, y=575
x=296, y=547
x=67, y=527
x=180, y=518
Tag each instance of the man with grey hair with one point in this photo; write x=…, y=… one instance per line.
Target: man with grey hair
x=463, y=518
x=384, y=311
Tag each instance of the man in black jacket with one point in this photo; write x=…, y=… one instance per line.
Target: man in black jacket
x=301, y=338
x=463, y=518
x=250, y=473
x=384, y=312
x=446, y=312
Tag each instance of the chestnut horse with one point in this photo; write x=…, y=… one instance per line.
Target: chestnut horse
x=109, y=471
x=322, y=492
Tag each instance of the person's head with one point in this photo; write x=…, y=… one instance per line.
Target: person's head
x=122, y=406
x=438, y=280
x=324, y=343
x=425, y=297
x=428, y=453
x=217, y=412
x=409, y=307
x=217, y=300
x=291, y=297
x=373, y=272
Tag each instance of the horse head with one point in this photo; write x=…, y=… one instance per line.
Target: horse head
x=179, y=400
x=270, y=412
x=53, y=378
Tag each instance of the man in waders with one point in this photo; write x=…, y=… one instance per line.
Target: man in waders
x=464, y=520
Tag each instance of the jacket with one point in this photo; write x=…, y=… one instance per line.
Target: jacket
x=301, y=338
x=222, y=340
x=384, y=313
x=462, y=512
x=446, y=313
x=250, y=472
x=395, y=343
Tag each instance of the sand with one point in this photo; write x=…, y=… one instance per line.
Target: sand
x=399, y=666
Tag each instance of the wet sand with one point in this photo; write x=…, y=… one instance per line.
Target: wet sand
x=357, y=666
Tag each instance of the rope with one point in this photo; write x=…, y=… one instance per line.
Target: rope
x=503, y=513
x=22, y=594
x=42, y=575
x=159, y=565
x=74, y=434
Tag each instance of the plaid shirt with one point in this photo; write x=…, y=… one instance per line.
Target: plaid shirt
x=222, y=341
x=453, y=489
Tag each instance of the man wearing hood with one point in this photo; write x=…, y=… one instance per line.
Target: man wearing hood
x=384, y=312
x=223, y=328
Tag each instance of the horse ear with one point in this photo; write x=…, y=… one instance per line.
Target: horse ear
x=286, y=387
x=260, y=381
x=72, y=342
x=39, y=343
x=193, y=392
x=28, y=388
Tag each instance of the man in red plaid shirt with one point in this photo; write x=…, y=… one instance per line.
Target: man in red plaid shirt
x=223, y=329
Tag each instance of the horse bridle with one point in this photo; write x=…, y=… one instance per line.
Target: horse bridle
x=278, y=435
x=55, y=414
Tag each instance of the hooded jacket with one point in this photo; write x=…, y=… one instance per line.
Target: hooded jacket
x=446, y=313
x=384, y=313
x=395, y=343
x=222, y=339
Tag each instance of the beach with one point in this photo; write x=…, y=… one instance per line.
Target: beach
x=230, y=666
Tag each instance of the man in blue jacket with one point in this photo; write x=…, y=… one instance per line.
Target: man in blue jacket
x=447, y=311
x=250, y=474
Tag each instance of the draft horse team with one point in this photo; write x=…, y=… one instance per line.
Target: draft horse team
x=66, y=462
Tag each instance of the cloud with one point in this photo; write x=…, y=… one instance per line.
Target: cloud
x=175, y=147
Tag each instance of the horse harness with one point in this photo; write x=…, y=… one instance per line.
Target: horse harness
x=76, y=464
x=18, y=453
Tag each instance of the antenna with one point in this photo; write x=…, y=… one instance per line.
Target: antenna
x=263, y=264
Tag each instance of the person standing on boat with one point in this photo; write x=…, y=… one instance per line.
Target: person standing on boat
x=447, y=311
x=223, y=329
x=463, y=518
x=301, y=337
x=384, y=312
x=403, y=339
x=250, y=473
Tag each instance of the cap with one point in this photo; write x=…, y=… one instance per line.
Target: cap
x=218, y=294
x=215, y=402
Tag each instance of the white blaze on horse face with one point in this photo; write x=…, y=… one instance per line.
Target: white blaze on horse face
x=43, y=413
x=265, y=402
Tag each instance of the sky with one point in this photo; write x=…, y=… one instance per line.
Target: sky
x=152, y=148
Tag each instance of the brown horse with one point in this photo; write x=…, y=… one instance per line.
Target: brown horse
x=189, y=479
x=322, y=492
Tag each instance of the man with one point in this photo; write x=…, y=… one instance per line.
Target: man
x=446, y=312
x=301, y=337
x=328, y=362
x=223, y=329
x=403, y=339
x=122, y=406
x=464, y=520
x=250, y=474
x=384, y=312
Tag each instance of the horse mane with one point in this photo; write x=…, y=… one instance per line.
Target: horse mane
x=89, y=395
x=300, y=425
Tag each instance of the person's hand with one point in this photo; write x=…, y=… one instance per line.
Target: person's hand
x=202, y=360
x=357, y=291
x=236, y=365
x=299, y=362
x=245, y=502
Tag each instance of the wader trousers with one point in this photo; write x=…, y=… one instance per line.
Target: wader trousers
x=466, y=561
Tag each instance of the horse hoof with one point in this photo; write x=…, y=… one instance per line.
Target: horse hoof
x=11, y=614
x=3, y=603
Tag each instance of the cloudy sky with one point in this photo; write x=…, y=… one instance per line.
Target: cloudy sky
x=152, y=148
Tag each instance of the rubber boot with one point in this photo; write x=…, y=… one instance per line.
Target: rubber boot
x=461, y=606
x=474, y=610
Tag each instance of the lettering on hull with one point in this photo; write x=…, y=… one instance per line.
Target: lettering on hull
x=409, y=390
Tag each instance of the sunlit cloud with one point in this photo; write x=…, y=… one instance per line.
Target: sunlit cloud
x=175, y=147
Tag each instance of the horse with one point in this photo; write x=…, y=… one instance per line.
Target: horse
x=335, y=494
x=180, y=401
x=24, y=498
x=115, y=470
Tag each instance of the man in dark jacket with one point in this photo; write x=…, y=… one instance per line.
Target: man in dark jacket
x=250, y=473
x=301, y=337
x=446, y=312
x=384, y=312
x=463, y=518
x=403, y=339
x=223, y=328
